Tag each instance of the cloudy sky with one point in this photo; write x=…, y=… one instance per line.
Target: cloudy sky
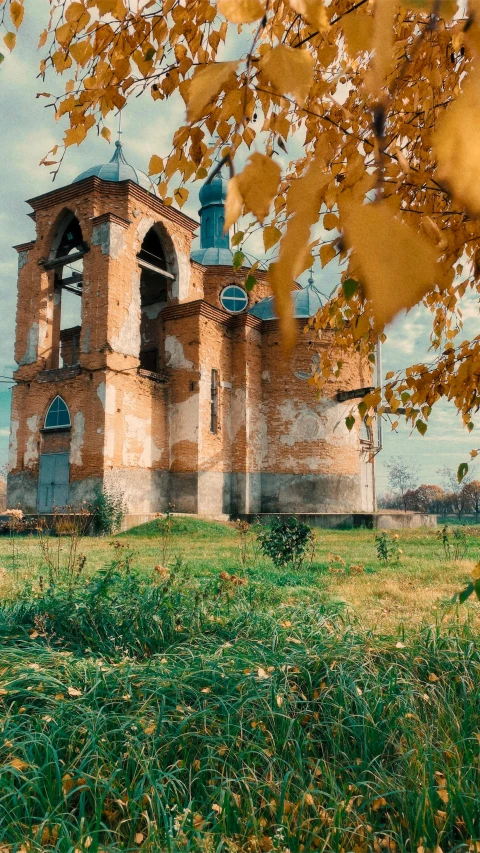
x=29, y=131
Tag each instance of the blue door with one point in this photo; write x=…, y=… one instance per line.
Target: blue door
x=53, y=480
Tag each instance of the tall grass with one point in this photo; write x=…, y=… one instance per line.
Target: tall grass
x=240, y=730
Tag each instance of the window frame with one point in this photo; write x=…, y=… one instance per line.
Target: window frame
x=230, y=310
x=57, y=427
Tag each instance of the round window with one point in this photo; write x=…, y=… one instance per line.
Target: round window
x=234, y=299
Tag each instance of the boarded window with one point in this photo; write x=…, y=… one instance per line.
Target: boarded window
x=214, y=402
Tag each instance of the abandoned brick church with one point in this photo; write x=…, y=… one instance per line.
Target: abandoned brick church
x=144, y=366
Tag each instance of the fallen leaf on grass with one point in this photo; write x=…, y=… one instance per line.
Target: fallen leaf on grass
x=72, y=691
x=18, y=764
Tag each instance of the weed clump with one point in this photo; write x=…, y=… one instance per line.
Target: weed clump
x=388, y=548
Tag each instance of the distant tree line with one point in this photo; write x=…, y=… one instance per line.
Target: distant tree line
x=453, y=498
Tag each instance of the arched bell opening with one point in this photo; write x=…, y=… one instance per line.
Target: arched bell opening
x=155, y=281
x=66, y=261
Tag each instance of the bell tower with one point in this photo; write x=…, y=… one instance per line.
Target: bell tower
x=90, y=402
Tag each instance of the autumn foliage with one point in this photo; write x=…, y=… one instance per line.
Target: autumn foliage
x=362, y=123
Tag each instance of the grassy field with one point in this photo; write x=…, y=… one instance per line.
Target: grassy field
x=150, y=704
x=420, y=586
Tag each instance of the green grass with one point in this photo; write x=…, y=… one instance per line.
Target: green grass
x=178, y=712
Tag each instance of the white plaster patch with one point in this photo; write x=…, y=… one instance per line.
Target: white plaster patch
x=32, y=345
x=78, y=437
x=174, y=354
x=128, y=339
x=109, y=449
x=13, y=446
x=110, y=400
x=181, y=284
x=152, y=311
x=184, y=420
x=101, y=392
x=326, y=423
x=111, y=238
x=138, y=435
x=31, y=451
x=265, y=376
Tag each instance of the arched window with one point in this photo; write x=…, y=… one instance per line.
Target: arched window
x=58, y=416
x=234, y=299
x=209, y=228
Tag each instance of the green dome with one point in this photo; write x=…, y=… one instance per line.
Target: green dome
x=118, y=170
x=214, y=192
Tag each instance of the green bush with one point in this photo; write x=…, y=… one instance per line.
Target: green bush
x=287, y=542
x=108, y=510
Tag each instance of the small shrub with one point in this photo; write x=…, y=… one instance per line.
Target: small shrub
x=287, y=542
x=108, y=510
x=388, y=550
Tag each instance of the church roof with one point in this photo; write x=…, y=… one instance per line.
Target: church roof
x=213, y=256
x=117, y=169
x=306, y=302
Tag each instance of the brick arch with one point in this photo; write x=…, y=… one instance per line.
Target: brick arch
x=57, y=230
x=146, y=225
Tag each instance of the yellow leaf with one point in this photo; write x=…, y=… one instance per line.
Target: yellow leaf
x=313, y=11
x=330, y=221
x=304, y=199
x=258, y=184
x=149, y=730
x=43, y=38
x=432, y=677
x=289, y=70
x=271, y=236
x=155, y=166
x=216, y=808
x=10, y=40
x=18, y=764
x=139, y=836
x=106, y=133
x=379, y=803
x=75, y=135
x=64, y=34
x=358, y=31
x=457, y=146
x=382, y=45
x=396, y=264
x=262, y=673
x=233, y=203
x=443, y=794
x=241, y=11
x=327, y=253
x=181, y=195
x=206, y=83
x=16, y=13
x=309, y=801
x=72, y=691
x=77, y=14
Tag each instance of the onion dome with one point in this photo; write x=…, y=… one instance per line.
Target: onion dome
x=118, y=170
x=214, y=248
